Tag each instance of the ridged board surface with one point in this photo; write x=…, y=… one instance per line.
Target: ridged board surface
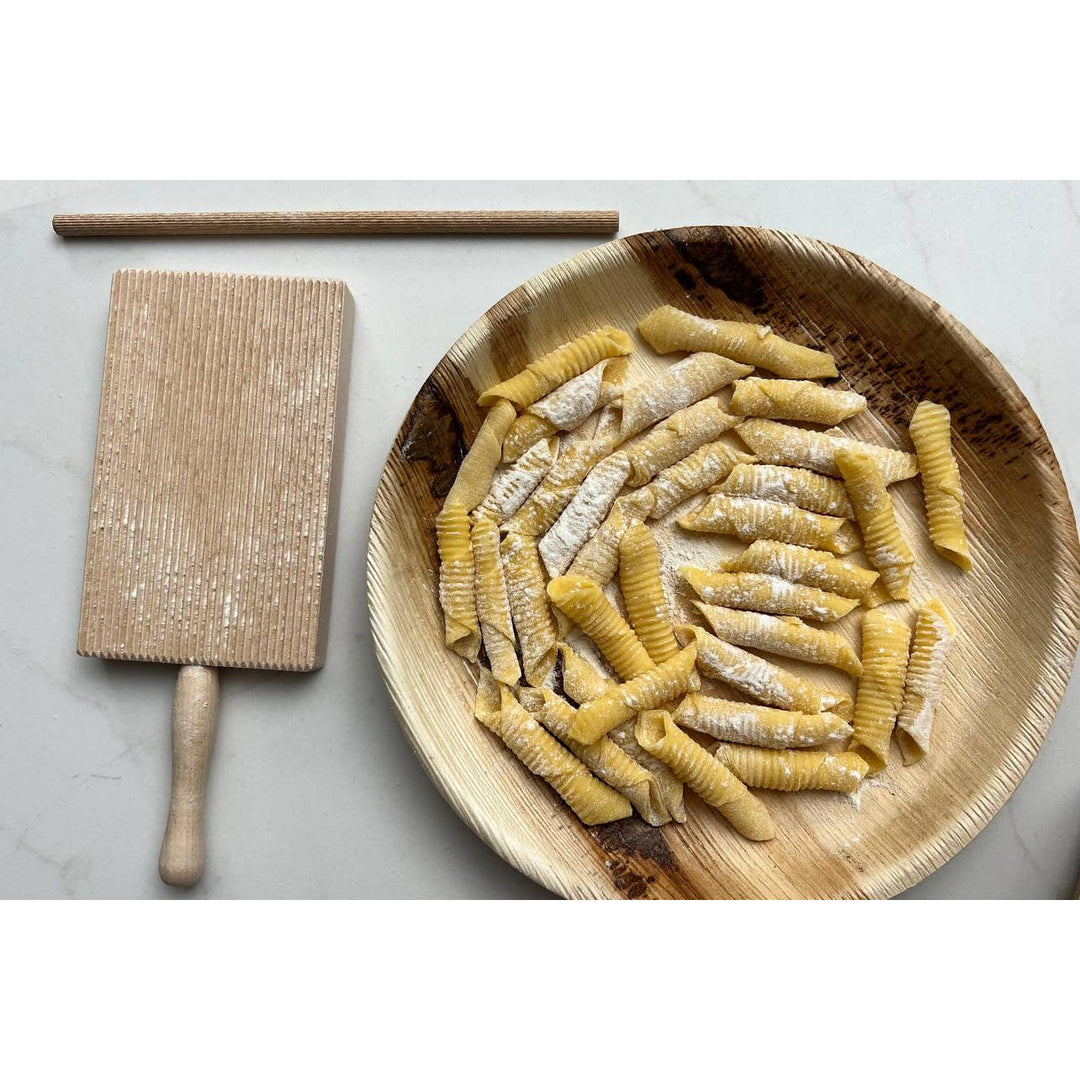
x=211, y=504
x=1018, y=612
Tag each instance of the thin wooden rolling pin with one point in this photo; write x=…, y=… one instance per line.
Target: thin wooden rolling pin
x=345, y=222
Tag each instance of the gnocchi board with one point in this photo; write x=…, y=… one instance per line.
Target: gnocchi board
x=1019, y=611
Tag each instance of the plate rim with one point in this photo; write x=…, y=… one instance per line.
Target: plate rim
x=954, y=836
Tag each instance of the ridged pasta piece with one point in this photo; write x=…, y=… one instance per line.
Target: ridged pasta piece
x=758, y=519
x=783, y=635
x=643, y=593
x=606, y=761
x=457, y=593
x=593, y=802
x=583, y=514
x=930, y=645
x=765, y=592
x=562, y=364
x=799, y=487
x=759, y=725
x=685, y=382
x=663, y=683
x=583, y=601
x=886, y=549
x=675, y=438
x=565, y=408
x=668, y=329
x=478, y=466
x=781, y=444
x=942, y=491
x=707, y=465
x=793, y=770
x=599, y=557
x=541, y=509
x=803, y=566
x=881, y=686
x=518, y=482
x=492, y=605
x=752, y=675
x=533, y=621
x=876, y=595
x=582, y=682
x=488, y=703
x=794, y=399
x=711, y=779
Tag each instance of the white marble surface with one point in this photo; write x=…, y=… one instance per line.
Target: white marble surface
x=314, y=791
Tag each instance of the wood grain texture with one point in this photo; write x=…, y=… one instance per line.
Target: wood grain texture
x=1018, y=611
x=351, y=222
x=210, y=531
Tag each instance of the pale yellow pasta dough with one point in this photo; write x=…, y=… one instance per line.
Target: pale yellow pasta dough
x=533, y=621
x=643, y=592
x=766, y=592
x=707, y=465
x=492, y=605
x=794, y=399
x=759, y=725
x=931, y=642
x=799, y=487
x=881, y=686
x=793, y=770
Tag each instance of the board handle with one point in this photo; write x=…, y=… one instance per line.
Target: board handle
x=194, y=721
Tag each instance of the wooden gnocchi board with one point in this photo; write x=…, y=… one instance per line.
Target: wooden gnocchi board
x=1019, y=612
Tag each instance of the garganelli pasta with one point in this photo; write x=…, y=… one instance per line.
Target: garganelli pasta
x=492, y=605
x=707, y=465
x=783, y=483
x=794, y=399
x=678, y=387
x=759, y=519
x=759, y=725
x=677, y=437
x=793, y=770
x=698, y=769
x=564, y=363
x=942, y=492
x=533, y=621
x=930, y=645
x=783, y=635
x=881, y=685
x=517, y=483
x=599, y=557
x=803, y=566
x=643, y=593
x=885, y=546
x=766, y=592
x=781, y=444
x=668, y=329
x=457, y=593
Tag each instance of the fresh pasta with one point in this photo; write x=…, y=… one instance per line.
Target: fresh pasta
x=517, y=483
x=766, y=592
x=643, y=593
x=930, y=645
x=532, y=618
x=942, y=491
x=781, y=444
x=457, y=593
x=478, y=466
x=492, y=604
x=583, y=514
x=881, y=685
x=606, y=761
x=582, y=601
x=668, y=329
x=599, y=556
x=794, y=399
x=682, y=384
x=782, y=483
x=678, y=436
x=706, y=466
x=758, y=519
x=803, y=566
x=793, y=770
x=565, y=408
x=655, y=688
x=783, y=635
x=559, y=366
x=886, y=549
x=759, y=725
x=698, y=769
x=593, y=802
x=581, y=683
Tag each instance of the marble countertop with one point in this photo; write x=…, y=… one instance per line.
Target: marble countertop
x=314, y=791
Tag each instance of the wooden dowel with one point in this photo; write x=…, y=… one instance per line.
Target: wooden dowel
x=352, y=222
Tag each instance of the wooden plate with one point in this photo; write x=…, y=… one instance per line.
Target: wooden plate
x=1018, y=611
